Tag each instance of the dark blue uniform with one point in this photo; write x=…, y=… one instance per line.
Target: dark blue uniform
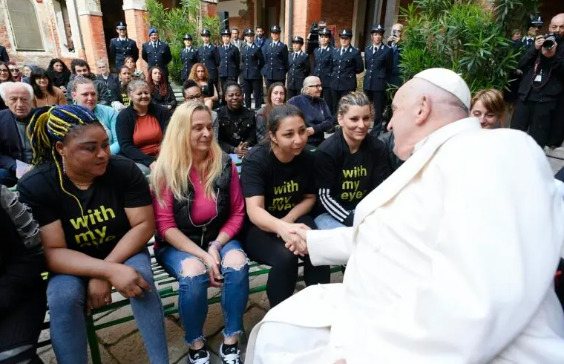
x=188, y=56
x=253, y=62
x=121, y=48
x=345, y=67
x=299, y=70
x=322, y=68
x=395, y=78
x=261, y=41
x=157, y=55
x=229, y=61
x=4, y=57
x=378, y=62
x=209, y=56
x=275, y=62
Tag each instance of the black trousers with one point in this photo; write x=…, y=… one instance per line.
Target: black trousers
x=378, y=99
x=327, y=95
x=534, y=117
x=336, y=95
x=266, y=248
x=20, y=328
x=270, y=82
x=556, y=132
x=253, y=87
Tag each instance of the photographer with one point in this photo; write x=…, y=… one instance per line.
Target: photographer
x=556, y=134
x=541, y=88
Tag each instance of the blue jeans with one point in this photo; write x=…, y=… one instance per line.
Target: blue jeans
x=327, y=222
x=193, y=292
x=66, y=296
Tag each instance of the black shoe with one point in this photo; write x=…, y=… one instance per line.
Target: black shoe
x=201, y=356
x=230, y=355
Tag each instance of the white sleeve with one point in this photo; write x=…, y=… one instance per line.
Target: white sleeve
x=330, y=247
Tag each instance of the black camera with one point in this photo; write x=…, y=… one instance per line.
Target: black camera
x=314, y=29
x=549, y=41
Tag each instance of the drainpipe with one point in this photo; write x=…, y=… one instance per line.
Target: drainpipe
x=79, y=30
x=290, y=21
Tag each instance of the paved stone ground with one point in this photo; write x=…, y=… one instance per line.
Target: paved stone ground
x=122, y=344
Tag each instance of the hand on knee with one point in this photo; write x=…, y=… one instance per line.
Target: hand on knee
x=234, y=259
x=192, y=267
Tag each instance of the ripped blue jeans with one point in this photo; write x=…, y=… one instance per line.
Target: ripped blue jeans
x=192, y=300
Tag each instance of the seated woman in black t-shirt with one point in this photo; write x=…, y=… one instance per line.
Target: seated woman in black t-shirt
x=95, y=216
x=277, y=180
x=349, y=164
x=237, y=124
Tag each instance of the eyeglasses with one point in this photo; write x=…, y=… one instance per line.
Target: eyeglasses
x=193, y=97
x=316, y=86
x=3, y=70
x=15, y=70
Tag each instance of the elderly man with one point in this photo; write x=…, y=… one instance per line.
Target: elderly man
x=556, y=133
x=317, y=115
x=394, y=41
x=15, y=149
x=447, y=262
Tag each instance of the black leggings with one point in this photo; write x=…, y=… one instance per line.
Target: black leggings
x=20, y=328
x=266, y=248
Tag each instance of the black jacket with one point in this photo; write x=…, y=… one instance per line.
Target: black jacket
x=167, y=99
x=229, y=61
x=21, y=253
x=188, y=57
x=157, y=56
x=112, y=82
x=253, y=61
x=345, y=68
x=11, y=147
x=4, y=57
x=126, y=120
x=551, y=71
x=396, y=78
x=317, y=115
x=119, y=49
x=275, y=61
x=378, y=66
x=299, y=70
x=323, y=65
x=105, y=97
x=235, y=127
x=209, y=56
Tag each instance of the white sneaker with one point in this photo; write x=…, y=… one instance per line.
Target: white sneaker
x=232, y=356
x=202, y=356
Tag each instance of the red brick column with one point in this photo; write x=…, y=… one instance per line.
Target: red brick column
x=304, y=13
x=94, y=41
x=137, y=29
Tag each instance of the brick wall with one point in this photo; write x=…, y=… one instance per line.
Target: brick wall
x=338, y=13
x=137, y=29
x=209, y=9
x=94, y=39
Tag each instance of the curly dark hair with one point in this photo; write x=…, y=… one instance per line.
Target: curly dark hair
x=41, y=73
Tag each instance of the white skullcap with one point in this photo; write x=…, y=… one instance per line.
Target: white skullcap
x=449, y=81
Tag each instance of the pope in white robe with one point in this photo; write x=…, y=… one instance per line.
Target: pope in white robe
x=450, y=260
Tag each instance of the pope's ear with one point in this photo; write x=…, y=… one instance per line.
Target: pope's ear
x=423, y=110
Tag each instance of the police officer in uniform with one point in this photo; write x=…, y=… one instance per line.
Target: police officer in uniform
x=188, y=56
x=322, y=65
x=299, y=68
x=229, y=59
x=122, y=47
x=156, y=53
x=209, y=56
x=534, y=25
x=253, y=62
x=275, y=58
x=378, y=60
x=346, y=64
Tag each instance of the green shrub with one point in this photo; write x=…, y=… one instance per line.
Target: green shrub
x=172, y=24
x=461, y=35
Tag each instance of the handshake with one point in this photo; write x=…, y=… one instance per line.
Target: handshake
x=294, y=236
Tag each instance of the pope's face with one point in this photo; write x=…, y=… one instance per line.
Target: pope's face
x=402, y=123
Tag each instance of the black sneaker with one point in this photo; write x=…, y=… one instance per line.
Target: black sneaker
x=201, y=356
x=231, y=355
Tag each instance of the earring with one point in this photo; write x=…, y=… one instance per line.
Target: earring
x=63, y=163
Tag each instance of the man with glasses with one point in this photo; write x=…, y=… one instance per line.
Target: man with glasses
x=193, y=92
x=15, y=148
x=317, y=116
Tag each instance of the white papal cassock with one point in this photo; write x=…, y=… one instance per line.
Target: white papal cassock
x=450, y=260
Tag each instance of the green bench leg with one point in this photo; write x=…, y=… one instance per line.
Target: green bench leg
x=93, y=341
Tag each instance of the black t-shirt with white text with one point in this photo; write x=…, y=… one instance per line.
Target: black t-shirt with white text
x=283, y=185
x=102, y=222
x=344, y=179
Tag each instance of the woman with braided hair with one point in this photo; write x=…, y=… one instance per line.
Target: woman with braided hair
x=95, y=217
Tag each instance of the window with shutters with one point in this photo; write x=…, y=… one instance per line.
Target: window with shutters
x=24, y=25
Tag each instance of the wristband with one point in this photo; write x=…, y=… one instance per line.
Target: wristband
x=216, y=244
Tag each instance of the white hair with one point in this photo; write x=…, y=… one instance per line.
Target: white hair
x=6, y=87
x=308, y=81
x=101, y=63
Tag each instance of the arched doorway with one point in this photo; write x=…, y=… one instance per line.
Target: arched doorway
x=113, y=13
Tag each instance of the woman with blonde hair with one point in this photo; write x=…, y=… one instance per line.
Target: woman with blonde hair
x=488, y=106
x=199, y=211
x=200, y=74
